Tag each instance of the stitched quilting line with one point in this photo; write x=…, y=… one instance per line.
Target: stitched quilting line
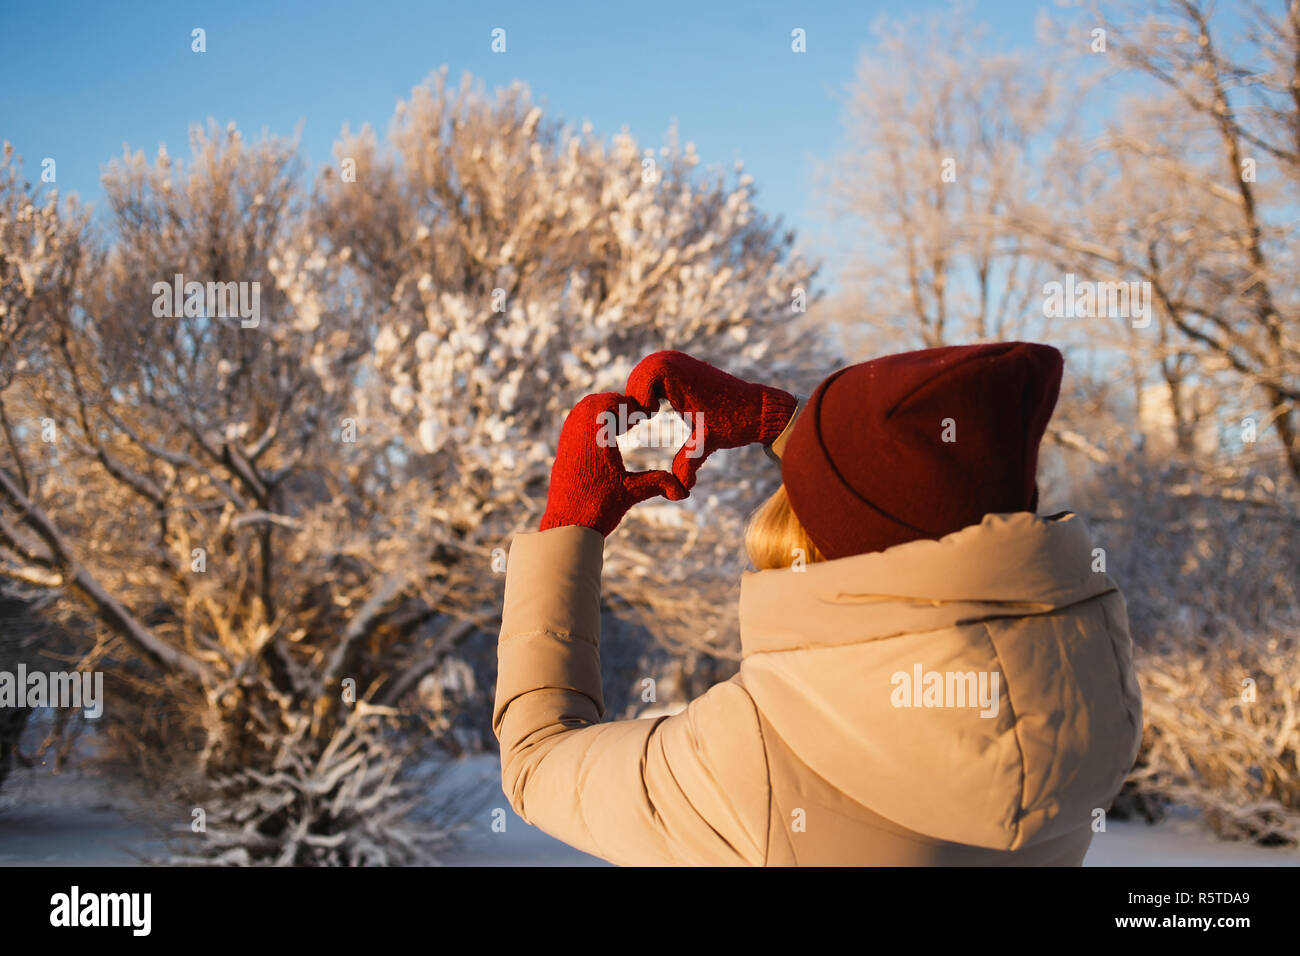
x=547, y=632
x=1015, y=730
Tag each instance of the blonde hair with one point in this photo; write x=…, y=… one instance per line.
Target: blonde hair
x=774, y=536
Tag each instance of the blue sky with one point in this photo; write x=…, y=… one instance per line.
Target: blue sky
x=83, y=79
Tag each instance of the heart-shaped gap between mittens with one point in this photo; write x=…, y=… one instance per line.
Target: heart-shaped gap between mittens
x=651, y=444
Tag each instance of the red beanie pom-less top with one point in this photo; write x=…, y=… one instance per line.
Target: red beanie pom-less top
x=920, y=445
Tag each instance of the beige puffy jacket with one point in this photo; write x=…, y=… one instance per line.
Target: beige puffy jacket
x=966, y=701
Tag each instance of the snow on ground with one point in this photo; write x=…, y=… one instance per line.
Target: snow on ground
x=1177, y=844
x=77, y=819
x=71, y=818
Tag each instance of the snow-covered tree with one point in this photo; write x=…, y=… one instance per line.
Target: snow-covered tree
x=173, y=470
x=268, y=525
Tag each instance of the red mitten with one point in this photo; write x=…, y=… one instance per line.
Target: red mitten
x=724, y=411
x=589, y=485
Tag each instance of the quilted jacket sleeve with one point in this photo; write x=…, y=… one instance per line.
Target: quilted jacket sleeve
x=686, y=789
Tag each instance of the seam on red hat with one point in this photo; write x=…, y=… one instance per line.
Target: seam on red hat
x=941, y=373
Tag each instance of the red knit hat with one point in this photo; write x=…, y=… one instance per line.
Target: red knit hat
x=920, y=445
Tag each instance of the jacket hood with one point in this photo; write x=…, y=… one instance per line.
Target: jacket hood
x=978, y=688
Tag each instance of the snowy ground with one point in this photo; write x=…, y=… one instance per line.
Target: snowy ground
x=79, y=820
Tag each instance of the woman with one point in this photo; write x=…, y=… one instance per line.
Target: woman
x=932, y=674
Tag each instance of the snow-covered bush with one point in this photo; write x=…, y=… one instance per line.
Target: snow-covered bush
x=1222, y=732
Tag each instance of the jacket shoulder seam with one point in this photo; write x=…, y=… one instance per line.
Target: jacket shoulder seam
x=1111, y=632
x=582, y=809
x=1015, y=730
x=767, y=769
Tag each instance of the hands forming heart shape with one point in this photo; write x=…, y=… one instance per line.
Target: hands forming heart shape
x=591, y=487
x=728, y=412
